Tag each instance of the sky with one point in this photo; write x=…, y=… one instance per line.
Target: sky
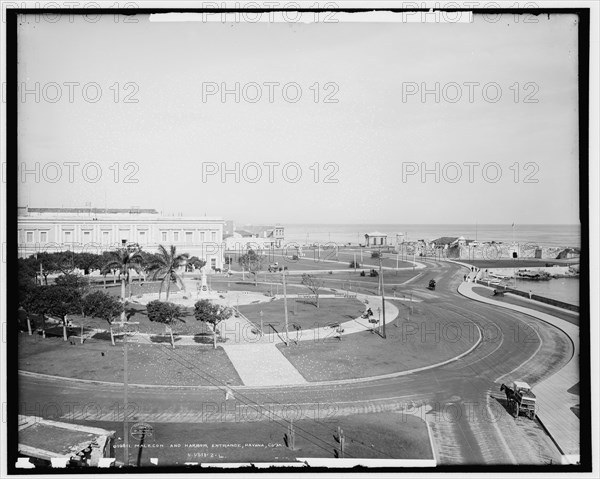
x=360, y=135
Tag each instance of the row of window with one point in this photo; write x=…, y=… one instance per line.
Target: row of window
x=188, y=236
x=175, y=236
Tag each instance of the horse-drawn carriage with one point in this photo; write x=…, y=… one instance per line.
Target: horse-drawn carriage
x=520, y=399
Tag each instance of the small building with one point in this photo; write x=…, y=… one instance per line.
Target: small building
x=448, y=241
x=275, y=236
x=45, y=441
x=400, y=238
x=376, y=239
x=242, y=240
x=271, y=236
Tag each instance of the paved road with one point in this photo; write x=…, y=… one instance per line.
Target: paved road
x=469, y=425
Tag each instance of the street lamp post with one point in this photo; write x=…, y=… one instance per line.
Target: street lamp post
x=382, y=292
x=125, y=387
x=287, y=341
x=261, y=322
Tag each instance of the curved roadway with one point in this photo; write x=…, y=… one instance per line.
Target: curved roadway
x=469, y=425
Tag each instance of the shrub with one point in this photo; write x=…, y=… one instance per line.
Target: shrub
x=163, y=312
x=102, y=305
x=375, y=254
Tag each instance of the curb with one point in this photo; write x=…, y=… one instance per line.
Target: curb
x=530, y=312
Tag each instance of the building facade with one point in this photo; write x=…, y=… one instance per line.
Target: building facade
x=376, y=239
x=98, y=229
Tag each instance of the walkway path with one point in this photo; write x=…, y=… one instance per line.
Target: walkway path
x=259, y=362
x=262, y=365
x=554, y=400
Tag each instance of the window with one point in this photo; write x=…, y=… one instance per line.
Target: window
x=213, y=263
x=202, y=234
x=213, y=236
x=142, y=237
x=164, y=236
x=87, y=237
x=189, y=237
x=43, y=236
x=176, y=236
x=105, y=237
x=68, y=236
x=29, y=237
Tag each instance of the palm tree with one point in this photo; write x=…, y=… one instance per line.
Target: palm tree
x=166, y=265
x=123, y=259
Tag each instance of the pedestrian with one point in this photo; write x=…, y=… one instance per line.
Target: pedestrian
x=530, y=294
x=465, y=278
x=229, y=394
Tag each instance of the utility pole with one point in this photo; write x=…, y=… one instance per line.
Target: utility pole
x=287, y=341
x=355, y=262
x=382, y=292
x=125, y=386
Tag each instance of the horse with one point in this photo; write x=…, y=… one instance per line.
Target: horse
x=510, y=394
x=511, y=399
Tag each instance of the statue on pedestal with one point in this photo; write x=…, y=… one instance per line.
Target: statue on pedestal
x=203, y=286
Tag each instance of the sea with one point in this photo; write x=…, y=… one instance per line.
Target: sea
x=562, y=289
x=543, y=235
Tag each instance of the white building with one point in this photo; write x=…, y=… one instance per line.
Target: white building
x=98, y=229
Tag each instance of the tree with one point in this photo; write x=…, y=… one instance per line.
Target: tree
x=314, y=284
x=62, y=262
x=123, y=259
x=49, y=263
x=33, y=302
x=87, y=262
x=211, y=314
x=195, y=263
x=54, y=300
x=252, y=262
x=166, y=313
x=166, y=265
x=28, y=271
x=100, y=304
x=105, y=258
x=74, y=281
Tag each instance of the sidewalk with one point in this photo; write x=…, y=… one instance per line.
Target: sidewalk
x=262, y=365
x=259, y=362
x=554, y=400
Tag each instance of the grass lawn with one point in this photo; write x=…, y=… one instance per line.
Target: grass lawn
x=432, y=335
x=323, y=261
x=308, y=315
x=379, y=435
x=148, y=364
x=137, y=314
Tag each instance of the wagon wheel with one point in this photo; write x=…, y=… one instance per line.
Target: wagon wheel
x=516, y=411
x=532, y=415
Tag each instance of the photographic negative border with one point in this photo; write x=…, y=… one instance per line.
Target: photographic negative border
x=11, y=372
